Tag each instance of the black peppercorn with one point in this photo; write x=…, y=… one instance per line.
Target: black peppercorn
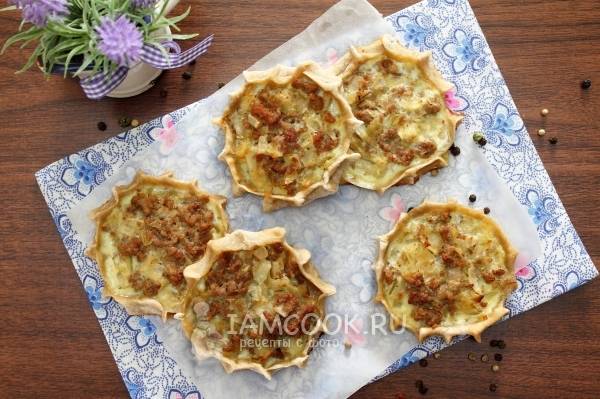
x=164, y=92
x=125, y=122
x=493, y=387
x=193, y=62
x=410, y=208
x=486, y=210
x=498, y=357
x=494, y=343
x=423, y=362
x=186, y=75
x=586, y=84
x=220, y=85
x=553, y=140
x=501, y=344
x=102, y=126
x=482, y=141
x=419, y=383
x=423, y=390
x=454, y=150
x=472, y=198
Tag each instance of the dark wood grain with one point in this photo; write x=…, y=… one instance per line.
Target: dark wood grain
x=51, y=344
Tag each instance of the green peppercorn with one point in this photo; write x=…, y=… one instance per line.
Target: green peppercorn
x=125, y=122
x=477, y=136
x=501, y=344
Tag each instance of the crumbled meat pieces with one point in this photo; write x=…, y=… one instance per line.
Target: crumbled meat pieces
x=316, y=102
x=324, y=142
x=305, y=84
x=431, y=107
x=425, y=149
x=132, y=247
x=267, y=114
x=148, y=287
x=451, y=257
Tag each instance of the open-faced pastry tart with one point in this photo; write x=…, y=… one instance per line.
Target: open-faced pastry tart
x=146, y=235
x=254, y=302
x=399, y=95
x=445, y=269
x=287, y=134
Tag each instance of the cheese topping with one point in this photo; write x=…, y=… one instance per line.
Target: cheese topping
x=255, y=306
x=406, y=122
x=155, y=229
x=445, y=266
x=286, y=135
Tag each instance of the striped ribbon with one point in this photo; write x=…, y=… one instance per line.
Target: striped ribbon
x=99, y=85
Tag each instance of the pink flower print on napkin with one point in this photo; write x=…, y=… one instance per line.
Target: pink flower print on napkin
x=176, y=394
x=452, y=102
x=167, y=135
x=331, y=55
x=392, y=213
x=353, y=333
x=522, y=268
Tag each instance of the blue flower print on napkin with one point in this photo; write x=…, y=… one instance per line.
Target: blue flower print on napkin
x=465, y=51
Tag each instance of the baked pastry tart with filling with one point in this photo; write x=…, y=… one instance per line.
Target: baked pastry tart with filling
x=399, y=95
x=287, y=134
x=445, y=269
x=146, y=235
x=254, y=302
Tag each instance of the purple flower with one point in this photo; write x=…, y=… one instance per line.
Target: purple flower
x=144, y=3
x=39, y=12
x=120, y=40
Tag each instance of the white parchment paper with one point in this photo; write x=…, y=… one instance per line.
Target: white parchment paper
x=340, y=231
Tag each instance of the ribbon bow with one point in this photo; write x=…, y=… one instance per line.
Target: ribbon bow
x=100, y=84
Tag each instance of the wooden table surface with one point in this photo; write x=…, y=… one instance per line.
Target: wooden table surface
x=51, y=344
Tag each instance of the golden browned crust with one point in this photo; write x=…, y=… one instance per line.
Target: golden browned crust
x=386, y=45
x=241, y=240
x=489, y=316
x=140, y=305
x=283, y=75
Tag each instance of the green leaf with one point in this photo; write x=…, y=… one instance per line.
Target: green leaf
x=31, y=33
x=32, y=59
x=73, y=53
